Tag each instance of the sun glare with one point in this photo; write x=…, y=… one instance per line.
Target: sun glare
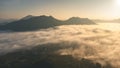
x=117, y=3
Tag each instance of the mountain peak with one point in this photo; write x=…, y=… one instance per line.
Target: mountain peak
x=77, y=18
x=46, y=16
x=27, y=17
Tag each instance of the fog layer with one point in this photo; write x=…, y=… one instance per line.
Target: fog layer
x=100, y=43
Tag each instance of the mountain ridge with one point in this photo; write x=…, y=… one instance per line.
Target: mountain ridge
x=27, y=17
x=29, y=23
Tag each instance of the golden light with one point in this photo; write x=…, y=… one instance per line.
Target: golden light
x=110, y=26
x=117, y=3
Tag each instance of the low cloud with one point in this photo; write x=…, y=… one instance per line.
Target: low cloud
x=94, y=43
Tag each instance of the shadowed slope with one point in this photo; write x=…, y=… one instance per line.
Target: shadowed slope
x=46, y=56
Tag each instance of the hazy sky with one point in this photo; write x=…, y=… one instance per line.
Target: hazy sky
x=61, y=9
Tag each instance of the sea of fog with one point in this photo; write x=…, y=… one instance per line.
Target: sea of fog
x=100, y=43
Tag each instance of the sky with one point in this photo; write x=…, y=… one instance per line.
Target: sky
x=61, y=9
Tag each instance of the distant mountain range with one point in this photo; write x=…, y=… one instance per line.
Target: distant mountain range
x=30, y=22
x=107, y=21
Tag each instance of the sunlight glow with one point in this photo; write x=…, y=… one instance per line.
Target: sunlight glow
x=110, y=26
x=117, y=3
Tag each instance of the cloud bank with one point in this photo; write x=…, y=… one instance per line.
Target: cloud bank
x=94, y=43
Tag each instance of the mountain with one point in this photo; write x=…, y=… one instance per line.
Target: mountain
x=5, y=21
x=27, y=17
x=77, y=21
x=33, y=23
x=107, y=21
x=103, y=21
x=29, y=23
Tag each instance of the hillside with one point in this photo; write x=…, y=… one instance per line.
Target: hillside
x=29, y=23
x=44, y=56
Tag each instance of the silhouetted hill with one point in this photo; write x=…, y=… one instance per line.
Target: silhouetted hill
x=29, y=23
x=33, y=23
x=77, y=20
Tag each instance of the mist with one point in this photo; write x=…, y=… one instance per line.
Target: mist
x=99, y=43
